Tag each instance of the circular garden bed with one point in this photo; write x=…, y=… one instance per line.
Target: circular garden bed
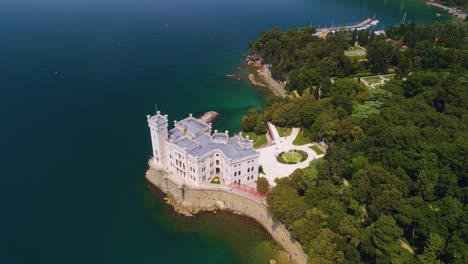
x=292, y=156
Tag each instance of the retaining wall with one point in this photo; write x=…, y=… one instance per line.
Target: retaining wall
x=229, y=199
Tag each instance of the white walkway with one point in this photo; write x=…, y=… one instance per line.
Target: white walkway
x=272, y=168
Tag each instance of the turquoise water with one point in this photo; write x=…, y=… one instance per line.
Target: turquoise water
x=77, y=79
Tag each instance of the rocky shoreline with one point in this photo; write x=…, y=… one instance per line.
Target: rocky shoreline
x=261, y=75
x=192, y=211
x=191, y=201
x=189, y=210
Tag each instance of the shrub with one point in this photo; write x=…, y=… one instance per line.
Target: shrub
x=262, y=184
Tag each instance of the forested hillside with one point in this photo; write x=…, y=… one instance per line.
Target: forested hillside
x=392, y=186
x=304, y=60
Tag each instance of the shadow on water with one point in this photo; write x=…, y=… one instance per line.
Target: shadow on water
x=222, y=233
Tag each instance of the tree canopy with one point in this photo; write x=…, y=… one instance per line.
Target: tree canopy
x=402, y=149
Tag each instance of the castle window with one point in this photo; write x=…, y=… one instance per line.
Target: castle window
x=217, y=162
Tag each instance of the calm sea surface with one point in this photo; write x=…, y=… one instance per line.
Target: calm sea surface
x=77, y=78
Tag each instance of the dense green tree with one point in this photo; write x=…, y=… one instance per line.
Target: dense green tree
x=323, y=249
x=434, y=247
x=261, y=126
x=286, y=204
x=262, y=184
x=386, y=237
x=308, y=228
x=346, y=87
x=350, y=229
x=405, y=66
x=379, y=55
x=249, y=121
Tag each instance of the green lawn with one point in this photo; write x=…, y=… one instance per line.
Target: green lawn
x=284, y=131
x=258, y=140
x=300, y=139
x=215, y=180
x=355, y=48
x=372, y=79
x=291, y=157
x=358, y=57
x=317, y=150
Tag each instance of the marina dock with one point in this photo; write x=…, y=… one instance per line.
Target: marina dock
x=451, y=10
x=365, y=24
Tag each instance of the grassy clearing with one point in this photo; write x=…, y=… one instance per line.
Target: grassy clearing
x=291, y=157
x=300, y=139
x=258, y=140
x=294, y=158
x=363, y=74
x=317, y=150
x=355, y=48
x=284, y=131
x=358, y=57
x=372, y=79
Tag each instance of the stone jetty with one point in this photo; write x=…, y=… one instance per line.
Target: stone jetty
x=209, y=117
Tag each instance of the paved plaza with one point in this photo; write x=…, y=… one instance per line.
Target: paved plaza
x=272, y=168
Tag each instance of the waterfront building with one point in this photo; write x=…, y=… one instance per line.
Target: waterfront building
x=191, y=152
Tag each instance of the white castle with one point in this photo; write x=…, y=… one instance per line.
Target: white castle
x=192, y=153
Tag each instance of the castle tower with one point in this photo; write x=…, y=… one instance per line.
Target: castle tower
x=159, y=134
